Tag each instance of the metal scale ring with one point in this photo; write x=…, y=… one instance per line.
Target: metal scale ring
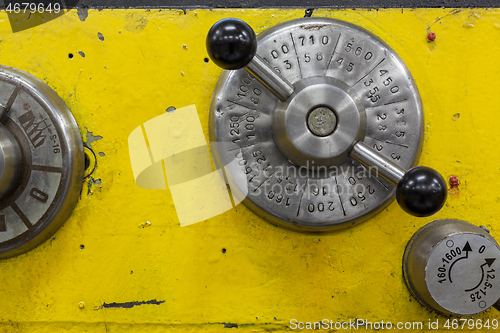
x=323, y=122
x=41, y=162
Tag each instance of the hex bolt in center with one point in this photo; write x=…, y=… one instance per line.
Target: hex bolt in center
x=322, y=121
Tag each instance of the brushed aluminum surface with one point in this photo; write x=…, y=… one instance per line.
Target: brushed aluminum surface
x=452, y=266
x=294, y=177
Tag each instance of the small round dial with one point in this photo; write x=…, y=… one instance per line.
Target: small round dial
x=453, y=267
x=462, y=273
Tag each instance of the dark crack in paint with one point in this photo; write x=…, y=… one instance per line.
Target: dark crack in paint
x=230, y=325
x=129, y=305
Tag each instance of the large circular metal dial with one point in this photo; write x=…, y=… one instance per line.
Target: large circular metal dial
x=452, y=266
x=41, y=162
x=320, y=96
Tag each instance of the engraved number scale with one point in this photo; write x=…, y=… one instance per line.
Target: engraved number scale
x=41, y=162
x=321, y=111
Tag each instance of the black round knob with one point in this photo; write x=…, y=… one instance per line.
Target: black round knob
x=421, y=192
x=231, y=43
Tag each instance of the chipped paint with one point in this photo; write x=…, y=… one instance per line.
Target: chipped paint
x=145, y=224
x=91, y=183
x=135, y=22
x=309, y=12
x=90, y=138
x=129, y=305
x=83, y=13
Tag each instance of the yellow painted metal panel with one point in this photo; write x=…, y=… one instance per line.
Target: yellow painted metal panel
x=106, y=252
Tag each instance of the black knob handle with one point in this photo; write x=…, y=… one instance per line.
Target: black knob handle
x=231, y=43
x=421, y=192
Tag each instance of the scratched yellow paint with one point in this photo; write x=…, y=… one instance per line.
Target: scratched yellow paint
x=124, y=244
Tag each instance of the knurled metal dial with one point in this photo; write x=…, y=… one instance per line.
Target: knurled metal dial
x=51, y=164
x=452, y=266
x=348, y=86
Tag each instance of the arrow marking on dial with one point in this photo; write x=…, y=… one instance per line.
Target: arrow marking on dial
x=467, y=249
x=488, y=262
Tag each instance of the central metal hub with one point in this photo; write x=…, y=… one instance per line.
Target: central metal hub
x=309, y=132
x=11, y=162
x=322, y=121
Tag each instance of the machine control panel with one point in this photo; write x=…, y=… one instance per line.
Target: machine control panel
x=324, y=121
x=41, y=162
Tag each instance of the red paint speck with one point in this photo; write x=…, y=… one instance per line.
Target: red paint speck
x=431, y=36
x=454, y=182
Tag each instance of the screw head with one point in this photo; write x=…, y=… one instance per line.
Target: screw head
x=322, y=121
